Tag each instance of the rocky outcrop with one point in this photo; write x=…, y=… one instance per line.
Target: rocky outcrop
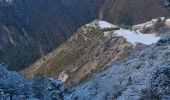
x=158, y=26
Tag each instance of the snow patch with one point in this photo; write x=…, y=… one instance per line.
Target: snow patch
x=104, y=24
x=167, y=22
x=134, y=38
x=162, y=18
x=63, y=77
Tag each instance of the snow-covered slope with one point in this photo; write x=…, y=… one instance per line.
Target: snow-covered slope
x=144, y=75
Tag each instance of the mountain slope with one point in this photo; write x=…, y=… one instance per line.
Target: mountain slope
x=86, y=52
x=145, y=74
x=91, y=49
x=30, y=29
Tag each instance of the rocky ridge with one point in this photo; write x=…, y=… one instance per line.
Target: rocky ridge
x=96, y=44
x=87, y=47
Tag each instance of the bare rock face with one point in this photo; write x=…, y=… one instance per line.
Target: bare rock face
x=86, y=52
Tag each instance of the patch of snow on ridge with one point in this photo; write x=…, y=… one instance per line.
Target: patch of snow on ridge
x=167, y=22
x=104, y=24
x=63, y=77
x=134, y=38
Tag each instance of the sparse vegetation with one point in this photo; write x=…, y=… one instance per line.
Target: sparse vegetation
x=87, y=51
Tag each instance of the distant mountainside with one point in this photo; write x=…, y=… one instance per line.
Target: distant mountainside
x=30, y=29
x=133, y=11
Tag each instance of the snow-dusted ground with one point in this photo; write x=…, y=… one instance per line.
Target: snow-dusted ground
x=142, y=76
x=134, y=38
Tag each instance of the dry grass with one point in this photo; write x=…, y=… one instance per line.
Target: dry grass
x=87, y=51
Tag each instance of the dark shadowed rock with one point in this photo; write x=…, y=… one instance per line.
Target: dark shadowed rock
x=164, y=39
